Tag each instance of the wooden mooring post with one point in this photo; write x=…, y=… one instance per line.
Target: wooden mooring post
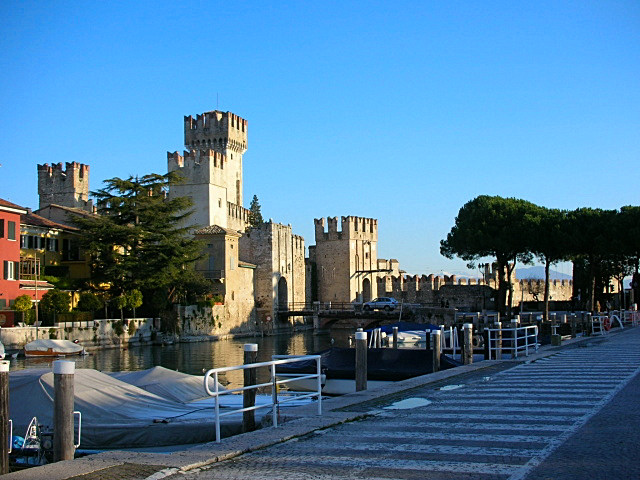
x=499, y=341
x=4, y=417
x=361, y=361
x=249, y=396
x=63, y=397
x=395, y=337
x=437, y=349
x=467, y=352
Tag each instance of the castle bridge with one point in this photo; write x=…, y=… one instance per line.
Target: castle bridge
x=347, y=315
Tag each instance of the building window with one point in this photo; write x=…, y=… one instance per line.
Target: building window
x=23, y=241
x=232, y=263
x=11, y=230
x=9, y=270
x=1, y=228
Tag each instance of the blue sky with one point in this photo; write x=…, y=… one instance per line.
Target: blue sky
x=401, y=111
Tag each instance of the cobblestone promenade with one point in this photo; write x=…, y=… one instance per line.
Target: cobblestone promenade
x=506, y=426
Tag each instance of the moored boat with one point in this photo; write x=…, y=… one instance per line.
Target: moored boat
x=384, y=365
x=52, y=348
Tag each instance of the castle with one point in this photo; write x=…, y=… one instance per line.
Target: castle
x=261, y=270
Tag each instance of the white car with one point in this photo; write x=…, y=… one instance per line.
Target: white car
x=381, y=303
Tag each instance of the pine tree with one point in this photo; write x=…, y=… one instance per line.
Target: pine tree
x=255, y=216
x=138, y=240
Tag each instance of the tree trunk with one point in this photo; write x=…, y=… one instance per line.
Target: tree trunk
x=502, y=288
x=592, y=272
x=547, y=264
x=510, y=270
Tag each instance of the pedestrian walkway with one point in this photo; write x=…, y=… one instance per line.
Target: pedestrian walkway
x=498, y=427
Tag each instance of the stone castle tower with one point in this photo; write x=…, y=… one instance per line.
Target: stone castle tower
x=346, y=260
x=69, y=187
x=212, y=168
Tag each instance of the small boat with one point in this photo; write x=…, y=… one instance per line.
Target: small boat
x=2, y=353
x=384, y=365
x=52, y=348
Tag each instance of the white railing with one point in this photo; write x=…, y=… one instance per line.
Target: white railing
x=512, y=341
x=449, y=339
x=274, y=384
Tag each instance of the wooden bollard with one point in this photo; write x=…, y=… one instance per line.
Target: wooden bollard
x=437, y=349
x=487, y=347
x=378, y=338
x=249, y=396
x=395, y=337
x=574, y=327
x=4, y=417
x=63, y=396
x=361, y=361
x=499, y=341
x=468, y=344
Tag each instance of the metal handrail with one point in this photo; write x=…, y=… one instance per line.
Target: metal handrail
x=497, y=343
x=76, y=412
x=273, y=383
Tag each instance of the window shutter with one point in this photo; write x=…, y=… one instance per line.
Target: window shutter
x=1, y=228
x=16, y=270
x=5, y=269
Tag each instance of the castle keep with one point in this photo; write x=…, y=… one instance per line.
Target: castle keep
x=258, y=270
x=212, y=168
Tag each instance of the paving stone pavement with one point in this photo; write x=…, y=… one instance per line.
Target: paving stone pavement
x=547, y=419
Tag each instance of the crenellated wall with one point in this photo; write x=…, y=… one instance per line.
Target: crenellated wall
x=471, y=294
x=68, y=187
x=216, y=130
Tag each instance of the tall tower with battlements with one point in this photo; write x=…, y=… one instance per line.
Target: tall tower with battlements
x=68, y=187
x=212, y=168
x=346, y=259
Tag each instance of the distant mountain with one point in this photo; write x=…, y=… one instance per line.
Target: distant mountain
x=538, y=273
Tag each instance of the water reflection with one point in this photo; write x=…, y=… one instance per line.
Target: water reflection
x=195, y=358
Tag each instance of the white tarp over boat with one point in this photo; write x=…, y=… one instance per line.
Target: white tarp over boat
x=115, y=414
x=188, y=389
x=52, y=347
x=1, y=351
x=169, y=384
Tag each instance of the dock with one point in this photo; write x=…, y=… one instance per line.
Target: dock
x=566, y=412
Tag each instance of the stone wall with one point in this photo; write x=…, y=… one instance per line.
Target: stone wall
x=95, y=333
x=278, y=255
x=469, y=294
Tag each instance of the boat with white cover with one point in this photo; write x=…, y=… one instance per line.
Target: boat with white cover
x=168, y=408
x=52, y=348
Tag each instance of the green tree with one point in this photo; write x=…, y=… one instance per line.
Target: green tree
x=23, y=304
x=493, y=227
x=134, y=300
x=255, y=216
x=590, y=234
x=55, y=301
x=549, y=242
x=120, y=302
x=138, y=240
x=89, y=302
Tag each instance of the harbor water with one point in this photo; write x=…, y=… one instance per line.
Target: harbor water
x=197, y=357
